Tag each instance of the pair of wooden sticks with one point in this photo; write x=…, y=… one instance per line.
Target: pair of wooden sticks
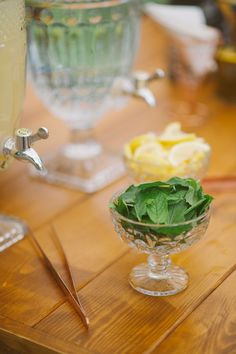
x=72, y=296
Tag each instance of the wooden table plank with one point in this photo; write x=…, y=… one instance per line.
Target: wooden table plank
x=31, y=201
x=210, y=329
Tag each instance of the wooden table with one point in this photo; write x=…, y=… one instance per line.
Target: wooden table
x=35, y=317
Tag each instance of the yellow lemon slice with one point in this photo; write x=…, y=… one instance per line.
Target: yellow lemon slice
x=187, y=151
x=140, y=140
x=151, y=152
x=128, y=151
x=174, y=135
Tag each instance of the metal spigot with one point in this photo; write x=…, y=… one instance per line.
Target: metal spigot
x=137, y=86
x=20, y=146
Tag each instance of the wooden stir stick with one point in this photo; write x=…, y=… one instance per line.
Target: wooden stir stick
x=60, y=282
x=67, y=266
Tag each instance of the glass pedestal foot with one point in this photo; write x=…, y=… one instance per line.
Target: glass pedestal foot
x=169, y=282
x=88, y=175
x=12, y=230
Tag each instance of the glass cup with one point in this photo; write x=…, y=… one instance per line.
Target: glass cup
x=190, y=61
x=78, y=51
x=191, y=49
x=159, y=277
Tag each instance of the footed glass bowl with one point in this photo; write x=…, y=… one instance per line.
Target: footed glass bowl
x=159, y=277
x=145, y=171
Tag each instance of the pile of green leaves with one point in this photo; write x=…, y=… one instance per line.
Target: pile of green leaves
x=165, y=203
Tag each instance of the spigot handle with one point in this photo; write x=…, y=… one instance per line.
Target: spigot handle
x=142, y=78
x=158, y=74
x=137, y=85
x=42, y=133
x=25, y=138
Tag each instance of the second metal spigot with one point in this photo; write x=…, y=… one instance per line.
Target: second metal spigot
x=20, y=147
x=137, y=86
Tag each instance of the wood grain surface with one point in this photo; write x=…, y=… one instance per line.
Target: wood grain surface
x=34, y=315
x=210, y=328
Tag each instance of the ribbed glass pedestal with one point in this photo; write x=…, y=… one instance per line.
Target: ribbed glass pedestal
x=83, y=164
x=87, y=176
x=158, y=277
x=12, y=230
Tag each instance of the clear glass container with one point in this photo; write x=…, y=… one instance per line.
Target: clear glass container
x=78, y=52
x=12, y=88
x=15, y=142
x=159, y=276
x=12, y=69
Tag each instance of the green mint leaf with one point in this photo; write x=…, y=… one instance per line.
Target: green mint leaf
x=144, y=197
x=190, y=196
x=207, y=201
x=121, y=207
x=154, y=185
x=176, y=212
x=177, y=181
x=176, y=196
x=140, y=208
x=157, y=209
x=194, y=207
x=129, y=195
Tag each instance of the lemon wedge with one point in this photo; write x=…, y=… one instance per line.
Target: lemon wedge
x=128, y=151
x=151, y=152
x=174, y=135
x=141, y=140
x=187, y=152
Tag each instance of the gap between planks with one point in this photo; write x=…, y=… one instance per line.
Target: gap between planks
x=31, y=337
